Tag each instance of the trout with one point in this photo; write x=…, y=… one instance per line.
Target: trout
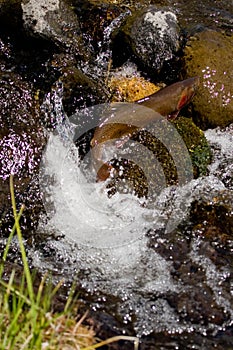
x=121, y=121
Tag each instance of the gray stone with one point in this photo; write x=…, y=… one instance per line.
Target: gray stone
x=54, y=20
x=153, y=36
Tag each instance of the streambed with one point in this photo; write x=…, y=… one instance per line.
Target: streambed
x=161, y=270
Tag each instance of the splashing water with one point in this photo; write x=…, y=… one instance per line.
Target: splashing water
x=106, y=242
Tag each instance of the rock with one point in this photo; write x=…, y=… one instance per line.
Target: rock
x=152, y=35
x=209, y=55
x=5, y=54
x=21, y=144
x=215, y=216
x=10, y=14
x=130, y=89
x=95, y=17
x=80, y=90
x=55, y=21
x=158, y=157
x=196, y=143
x=202, y=242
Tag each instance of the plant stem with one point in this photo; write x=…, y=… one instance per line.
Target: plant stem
x=20, y=239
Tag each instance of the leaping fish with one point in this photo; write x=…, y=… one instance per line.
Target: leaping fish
x=121, y=125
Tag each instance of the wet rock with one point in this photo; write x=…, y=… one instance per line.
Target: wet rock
x=197, y=302
x=152, y=35
x=21, y=144
x=79, y=90
x=11, y=14
x=214, y=218
x=130, y=89
x=5, y=54
x=94, y=18
x=55, y=21
x=167, y=149
x=195, y=306
x=209, y=55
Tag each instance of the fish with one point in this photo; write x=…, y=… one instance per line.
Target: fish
x=121, y=120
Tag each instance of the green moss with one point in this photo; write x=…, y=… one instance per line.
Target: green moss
x=159, y=158
x=196, y=144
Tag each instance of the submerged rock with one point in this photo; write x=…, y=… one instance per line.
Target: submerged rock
x=209, y=55
x=152, y=35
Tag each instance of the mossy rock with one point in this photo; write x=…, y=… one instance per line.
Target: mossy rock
x=170, y=159
x=196, y=144
x=209, y=55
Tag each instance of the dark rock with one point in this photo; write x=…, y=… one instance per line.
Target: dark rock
x=21, y=144
x=215, y=216
x=55, y=21
x=11, y=14
x=94, y=18
x=196, y=302
x=5, y=54
x=79, y=90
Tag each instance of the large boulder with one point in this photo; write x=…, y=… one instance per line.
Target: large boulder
x=209, y=55
x=152, y=35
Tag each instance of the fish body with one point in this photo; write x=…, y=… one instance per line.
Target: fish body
x=169, y=100
x=122, y=121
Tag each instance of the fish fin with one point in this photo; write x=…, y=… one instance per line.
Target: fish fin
x=184, y=99
x=104, y=172
x=173, y=115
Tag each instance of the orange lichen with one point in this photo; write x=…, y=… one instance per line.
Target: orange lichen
x=130, y=89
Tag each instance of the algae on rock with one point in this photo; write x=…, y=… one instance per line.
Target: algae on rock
x=196, y=144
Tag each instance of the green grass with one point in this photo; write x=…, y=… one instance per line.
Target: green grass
x=27, y=320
